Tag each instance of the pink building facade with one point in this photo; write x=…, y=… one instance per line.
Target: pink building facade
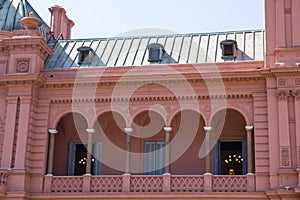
x=193, y=116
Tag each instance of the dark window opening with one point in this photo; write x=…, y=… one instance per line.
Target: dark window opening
x=77, y=159
x=80, y=160
x=231, y=158
x=229, y=49
x=156, y=52
x=84, y=56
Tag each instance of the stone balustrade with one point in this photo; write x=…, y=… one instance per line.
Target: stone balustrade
x=142, y=183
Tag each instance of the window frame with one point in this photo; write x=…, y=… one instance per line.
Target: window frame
x=155, y=47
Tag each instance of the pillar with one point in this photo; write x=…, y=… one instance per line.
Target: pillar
x=88, y=168
x=167, y=149
x=207, y=130
x=10, y=123
x=284, y=131
x=52, y=133
x=249, y=130
x=22, y=135
x=128, y=132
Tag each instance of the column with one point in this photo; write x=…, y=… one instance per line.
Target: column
x=128, y=132
x=167, y=149
x=22, y=135
x=52, y=133
x=9, y=132
x=88, y=168
x=297, y=119
x=207, y=130
x=284, y=130
x=249, y=130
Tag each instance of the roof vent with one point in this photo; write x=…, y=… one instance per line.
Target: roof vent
x=84, y=55
x=229, y=49
x=156, y=52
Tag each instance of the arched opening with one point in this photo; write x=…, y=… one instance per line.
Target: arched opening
x=69, y=147
x=111, y=140
x=229, y=155
x=148, y=140
x=187, y=138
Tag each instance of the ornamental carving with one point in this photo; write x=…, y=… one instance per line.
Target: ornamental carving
x=22, y=66
x=297, y=81
x=296, y=94
x=281, y=82
x=285, y=156
x=282, y=95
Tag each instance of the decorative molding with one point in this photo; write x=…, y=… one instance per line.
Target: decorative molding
x=282, y=95
x=297, y=81
x=281, y=82
x=152, y=99
x=285, y=156
x=22, y=66
x=296, y=94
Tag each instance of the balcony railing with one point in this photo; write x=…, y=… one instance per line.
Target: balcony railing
x=141, y=183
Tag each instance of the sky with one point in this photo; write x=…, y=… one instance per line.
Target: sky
x=98, y=18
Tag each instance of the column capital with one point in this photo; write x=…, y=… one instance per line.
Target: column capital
x=52, y=131
x=128, y=130
x=168, y=129
x=249, y=128
x=207, y=128
x=90, y=130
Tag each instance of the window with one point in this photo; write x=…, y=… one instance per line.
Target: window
x=154, y=158
x=84, y=55
x=229, y=48
x=229, y=158
x=77, y=159
x=156, y=52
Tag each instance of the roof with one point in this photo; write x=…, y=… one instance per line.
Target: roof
x=179, y=49
x=12, y=11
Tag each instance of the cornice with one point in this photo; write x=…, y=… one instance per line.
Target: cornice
x=280, y=72
x=26, y=43
x=152, y=99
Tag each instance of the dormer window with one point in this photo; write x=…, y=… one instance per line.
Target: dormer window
x=229, y=48
x=156, y=52
x=84, y=55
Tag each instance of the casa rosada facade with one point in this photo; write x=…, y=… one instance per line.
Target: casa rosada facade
x=184, y=116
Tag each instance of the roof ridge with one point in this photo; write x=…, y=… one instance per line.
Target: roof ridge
x=165, y=35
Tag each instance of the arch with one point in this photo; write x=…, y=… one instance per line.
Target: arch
x=187, y=138
x=147, y=124
x=53, y=122
x=229, y=135
x=157, y=109
x=178, y=110
x=237, y=108
x=103, y=112
x=109, y=131
x=71, y=129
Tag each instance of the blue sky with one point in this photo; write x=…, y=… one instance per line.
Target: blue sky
x=98, y=18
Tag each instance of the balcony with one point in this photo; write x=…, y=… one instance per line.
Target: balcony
x=153, y=184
